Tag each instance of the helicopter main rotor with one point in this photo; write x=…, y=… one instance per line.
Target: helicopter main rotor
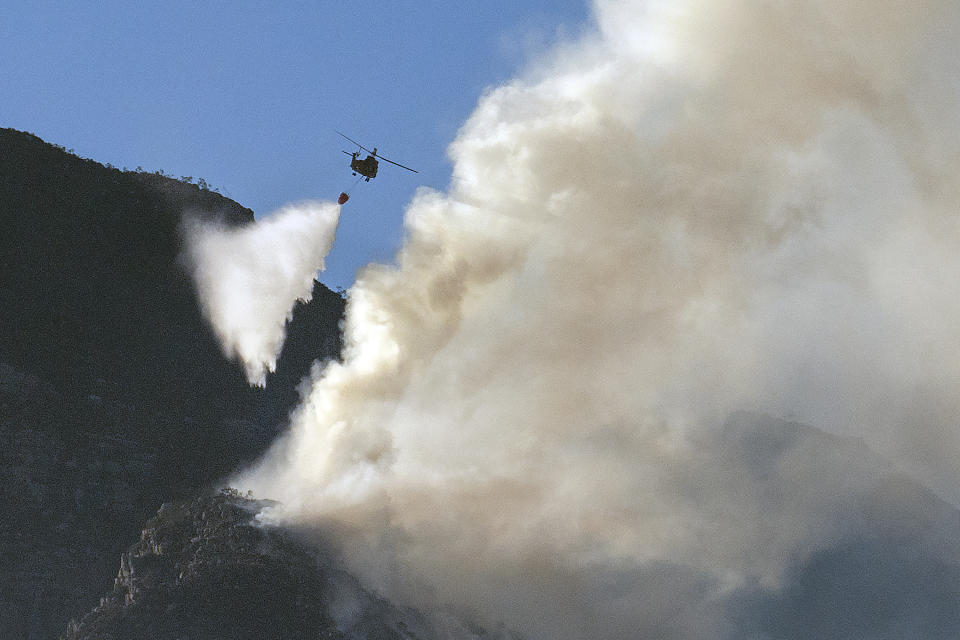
x=373, y=152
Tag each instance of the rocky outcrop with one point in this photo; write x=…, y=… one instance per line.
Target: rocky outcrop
x=205, y=569
x=208, y=569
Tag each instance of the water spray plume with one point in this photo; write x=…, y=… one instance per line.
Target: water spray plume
x=250, y=278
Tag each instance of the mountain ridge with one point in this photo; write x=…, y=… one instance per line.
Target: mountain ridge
x=114, y=392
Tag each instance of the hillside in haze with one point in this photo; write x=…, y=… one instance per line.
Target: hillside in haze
x=114, y=394
x=208, y=569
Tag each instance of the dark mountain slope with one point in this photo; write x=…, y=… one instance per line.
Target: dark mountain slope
x=94, y=300
x=114, y=395
x=90, y=283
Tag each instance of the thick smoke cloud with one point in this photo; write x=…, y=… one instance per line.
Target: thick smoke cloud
x=250, y=278
x=698, y=208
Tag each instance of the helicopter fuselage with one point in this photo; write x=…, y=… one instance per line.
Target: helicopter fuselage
x=367, y=167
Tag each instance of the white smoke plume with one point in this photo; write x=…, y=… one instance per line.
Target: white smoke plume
x=250, y=278
x=699, y=207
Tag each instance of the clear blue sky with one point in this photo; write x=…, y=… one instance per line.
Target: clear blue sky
x=246, y=94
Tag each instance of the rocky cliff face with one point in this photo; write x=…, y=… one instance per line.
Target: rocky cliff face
x=207, y=569
x=204, y=569
x=114, y=395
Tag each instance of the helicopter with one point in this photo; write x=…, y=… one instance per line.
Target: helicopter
x=367, y=167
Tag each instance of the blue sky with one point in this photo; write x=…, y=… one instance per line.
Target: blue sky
x=246, y=95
